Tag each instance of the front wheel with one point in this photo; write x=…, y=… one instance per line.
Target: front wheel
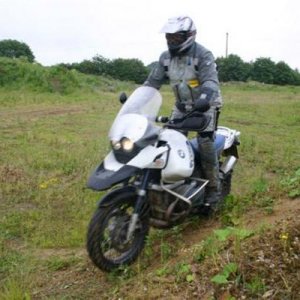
x=107, y=243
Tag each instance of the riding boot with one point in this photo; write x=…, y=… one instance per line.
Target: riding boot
x=210, y=169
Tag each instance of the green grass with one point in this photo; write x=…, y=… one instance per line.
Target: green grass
x=50, y=142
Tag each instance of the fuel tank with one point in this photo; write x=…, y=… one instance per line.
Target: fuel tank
x=180, y=160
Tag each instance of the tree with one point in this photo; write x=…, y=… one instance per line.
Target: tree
x=263, y=70
x=87, y=67
x=15, y=49
x=128, y=69
x=233, y=68
x=102, y=64
x=284, y=74
x=297, y=77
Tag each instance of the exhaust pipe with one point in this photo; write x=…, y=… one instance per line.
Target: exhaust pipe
x=228, y=164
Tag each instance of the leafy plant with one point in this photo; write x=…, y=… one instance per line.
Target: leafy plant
x=223, y=276
x=292, y=184
x=183, y=272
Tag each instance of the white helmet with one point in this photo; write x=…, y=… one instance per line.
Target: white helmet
x=180, y=34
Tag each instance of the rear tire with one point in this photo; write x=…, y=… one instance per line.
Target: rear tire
x=106, y=237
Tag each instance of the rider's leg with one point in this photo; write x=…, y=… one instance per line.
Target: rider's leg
x=209, y=159
x=210, y=166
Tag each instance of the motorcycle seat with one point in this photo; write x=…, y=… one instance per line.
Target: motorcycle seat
x=219, y=145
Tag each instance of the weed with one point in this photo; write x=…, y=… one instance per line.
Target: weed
x=121, y=273
x=231, y=210
x=57, y=263
x=165, y=251
x=291, y=184
x=267, y=203
x=162, y=271
x=9, y=261
x=260, y=186
x=256, y=285
x=12, y=291
x=223, y=277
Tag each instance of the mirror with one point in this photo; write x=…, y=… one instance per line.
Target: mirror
x=123, y=97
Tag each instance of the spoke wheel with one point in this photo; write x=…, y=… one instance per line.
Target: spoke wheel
x=107, y=242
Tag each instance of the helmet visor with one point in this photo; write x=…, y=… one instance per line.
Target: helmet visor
x=176, y=39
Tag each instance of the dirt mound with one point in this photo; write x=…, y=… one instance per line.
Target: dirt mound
x=265, y=266
x=262, y=262
x=268, y=265
x=259, y=261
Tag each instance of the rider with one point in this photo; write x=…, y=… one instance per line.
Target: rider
x=192, y=74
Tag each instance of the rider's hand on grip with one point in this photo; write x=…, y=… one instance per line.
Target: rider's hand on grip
x=202, y=104
x=162, y=119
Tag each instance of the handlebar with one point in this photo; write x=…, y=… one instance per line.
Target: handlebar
x=162, y=119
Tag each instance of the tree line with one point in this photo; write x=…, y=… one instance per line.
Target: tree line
x=264, y=70
x=231, y=68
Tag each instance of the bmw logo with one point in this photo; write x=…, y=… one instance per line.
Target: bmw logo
x=181, y=153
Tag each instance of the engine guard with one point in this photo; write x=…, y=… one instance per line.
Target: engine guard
x=102, y=179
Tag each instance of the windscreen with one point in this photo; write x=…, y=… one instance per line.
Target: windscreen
x=144, y=101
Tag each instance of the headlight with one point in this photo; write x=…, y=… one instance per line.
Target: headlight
x=127, y=144
x=116, y=145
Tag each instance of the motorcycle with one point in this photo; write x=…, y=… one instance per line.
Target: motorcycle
x=156, y=177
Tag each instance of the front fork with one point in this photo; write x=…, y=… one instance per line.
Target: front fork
x=141, y=198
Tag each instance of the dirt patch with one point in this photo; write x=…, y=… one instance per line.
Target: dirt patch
x=58, y=111
x=11, y=174
x=283, y=209
x=269, y=264
x=44, y=112
x=44, y=254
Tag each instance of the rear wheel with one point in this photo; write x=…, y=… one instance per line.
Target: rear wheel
x=107, y=243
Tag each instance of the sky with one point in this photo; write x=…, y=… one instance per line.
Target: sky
x=73, y=30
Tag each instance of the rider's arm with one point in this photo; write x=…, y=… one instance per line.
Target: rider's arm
x=157, y=75
x=207, y=71
x=208, y=75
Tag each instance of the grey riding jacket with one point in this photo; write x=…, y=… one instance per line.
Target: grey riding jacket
x=187, y=74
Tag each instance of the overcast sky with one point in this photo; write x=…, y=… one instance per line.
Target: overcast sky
x=73, y=30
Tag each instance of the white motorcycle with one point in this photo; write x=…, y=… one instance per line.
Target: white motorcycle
x=155, y=175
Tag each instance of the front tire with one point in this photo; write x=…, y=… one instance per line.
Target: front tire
x=107, y=242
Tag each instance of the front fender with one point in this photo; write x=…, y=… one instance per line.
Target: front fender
x=102, y=178
x=110, y=198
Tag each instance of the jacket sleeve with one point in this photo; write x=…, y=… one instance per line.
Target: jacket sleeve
x=157, y=75
x=207, y=71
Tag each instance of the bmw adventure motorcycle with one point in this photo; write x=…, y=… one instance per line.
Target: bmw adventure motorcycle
x=153, y=177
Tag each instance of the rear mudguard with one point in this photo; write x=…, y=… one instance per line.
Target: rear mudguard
x=110, y=198
x=232, y=151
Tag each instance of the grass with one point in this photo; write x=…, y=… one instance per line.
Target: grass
x=50, y=142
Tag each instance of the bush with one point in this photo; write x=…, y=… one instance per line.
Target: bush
x=18, y=74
